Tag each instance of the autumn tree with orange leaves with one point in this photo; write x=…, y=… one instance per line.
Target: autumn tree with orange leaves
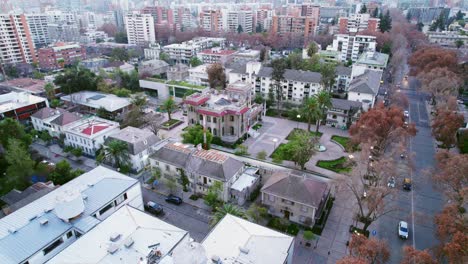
x=366, y=251
x=414, y=256
x=216, y=76
x=445, y=126
x=427, y=58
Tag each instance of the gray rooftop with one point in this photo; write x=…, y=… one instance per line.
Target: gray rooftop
x=99, y=186
x=367, y=83
x=296, y=188
x=342, y=70
x=293, y=75
x=137, y=139
x=373, y=58
x=345, y=104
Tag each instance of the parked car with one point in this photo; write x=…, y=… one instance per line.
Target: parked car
x=406, y=113
x=407, y=184
x=154, y=208
x=403, y=229
x=174, y=199
x=391, y=182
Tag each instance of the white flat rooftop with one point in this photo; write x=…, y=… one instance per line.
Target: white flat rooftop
x=259, y=245
x=137, y=232
x=97, y=100
x=15, y=100
x=244, y=181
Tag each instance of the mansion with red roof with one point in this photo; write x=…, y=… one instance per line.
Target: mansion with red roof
x=227, y=114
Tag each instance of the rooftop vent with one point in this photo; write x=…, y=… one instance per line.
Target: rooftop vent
x=48, y=209
x=114, y=237
x=244, y=250
x=12, y=230
x=112, y=248
x=33, y=217
x=84, y=196
x=128, y=242
x=44, y=221
x=216, y=259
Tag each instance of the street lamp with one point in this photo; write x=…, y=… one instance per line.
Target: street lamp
x=298, y=118
x=274, y=141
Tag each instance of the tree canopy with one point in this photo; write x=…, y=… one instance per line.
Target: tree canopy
x=77, y=78
x=194, y=135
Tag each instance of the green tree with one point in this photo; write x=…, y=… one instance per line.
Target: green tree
x=263, y=54
x=20, y=164
x=255, y=213
x=195, y=61
x=114, y=152
x=375, y=13
x=239, y=29
x=258, y=28
x=77, y=152
x=261, y=155
x=12, y=129
x=171, y=184
x=63, y=173
x=194, y=135
x=119, y=54
x=459, y=43
x=308, y=235
x=77, y=79
x=99, y=40
x=279, y=68
x=165, y=57
x=363, y=9
x=130, y=81
x=324, y=101
x=38, y=75
x=312, y=49
x=385, y=22
x=121, y=37
x=460, y=15
x=303, y=147
x=212, y=197
x=45, y=136
x=50, y=91
x=328, y=71
x=311, y=111
x=224, y=210
x=103, y=113
x=242, y=150
x=11, y=71
x=184, y=179
x=420, y=26
x=169, y=106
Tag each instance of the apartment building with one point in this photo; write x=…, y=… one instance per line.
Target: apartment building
x=20, y=105
x=227, y=115
x=198, y=75
x=235, y=20
x=351, y=47
x=297, y=198
x=153, y=51
x=204, y=168
x=183, y=52
x=140, y=29
x=17, y=45
x=446, y=38
x=343, y=113
x=357, y=23
x=296, y=84
x=92, y=35
x=89, y=134
x=141, y=144
x=211, y=20
x=39, y=29
x=60, y=54
x=264, y=18
x=370, y=60
x=302, y=25
x=365, y=88
x=216, y=55
x=43, y=228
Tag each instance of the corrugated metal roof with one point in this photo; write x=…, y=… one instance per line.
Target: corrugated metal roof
x=86, y=223
x=98, y=187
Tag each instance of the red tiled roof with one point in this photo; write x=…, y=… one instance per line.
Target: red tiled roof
x=194, y=102
x=210, y=113
x=93, y=129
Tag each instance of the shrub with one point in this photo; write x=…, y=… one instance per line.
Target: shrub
x=255, y=193
x=194, y=197
x=68, y=149
x=261, y=155
x=241, y=151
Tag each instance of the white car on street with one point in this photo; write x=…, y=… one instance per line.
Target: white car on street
x=403, y=229
x=406, y=113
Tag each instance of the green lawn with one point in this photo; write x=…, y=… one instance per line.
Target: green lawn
x=171, y=122
x=343, y=141
x=294, y=131
x=334, y=165
x=185, y=84
x=280, y=152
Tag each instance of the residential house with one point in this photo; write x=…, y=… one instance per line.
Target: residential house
x=343, y=113
x=342, y=80
x=205, y=167
x=15, y=199
x=89, y=134
x=198, y=75
x=54, y=121
x=228, y=114
x=365, y=88
x=141, y=143
x=90, y=102
x=216, y=55
x=178, y=72
x=43, y=228
x=370, y=60
x=153, y=67
x=236, y=240
x=19, y=105
x=298, y=198
x=28, y=85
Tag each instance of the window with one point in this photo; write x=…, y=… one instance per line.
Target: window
x=52, y=246
x=106, y=208
x=69, y=234
x=271, y=198
x=214, y=120
x=304, y=209
x=120, y=199
x=168, y=168
x=208, y=119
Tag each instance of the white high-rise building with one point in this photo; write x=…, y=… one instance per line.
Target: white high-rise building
x=39, y=29
x=232, y=19
x=351, y=47
x=140, y=29
x=16, y=43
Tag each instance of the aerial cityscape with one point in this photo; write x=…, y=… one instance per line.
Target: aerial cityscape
x=233, y=131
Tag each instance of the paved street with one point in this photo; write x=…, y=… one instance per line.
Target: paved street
x=419, y=206
x=55, y=154
x=185, y=216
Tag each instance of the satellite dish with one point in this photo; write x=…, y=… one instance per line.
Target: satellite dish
x=189, y=252
x=69, y=205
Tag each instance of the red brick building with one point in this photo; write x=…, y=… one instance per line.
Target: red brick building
x=60, y=54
